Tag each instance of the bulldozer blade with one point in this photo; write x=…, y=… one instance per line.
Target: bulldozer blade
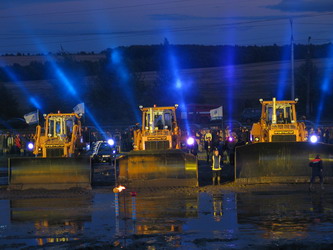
x=49, y=173
x=158, y=168
x=281, y=159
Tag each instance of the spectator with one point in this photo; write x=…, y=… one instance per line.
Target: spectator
x=2, y=143
x=209, y=149
x=198, y=140
x=330, y=135
x=208, y=135
x=17, y=144
x=215, y=139
x=317, y=170
x=10, y=143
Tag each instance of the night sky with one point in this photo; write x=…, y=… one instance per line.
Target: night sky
x=39, y=26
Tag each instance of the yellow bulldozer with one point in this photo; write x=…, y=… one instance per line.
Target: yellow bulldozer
x=61, y=137
x=157, y=159
x=159, y=129
x=57, y=163
x=278, y=123
x=280, y=145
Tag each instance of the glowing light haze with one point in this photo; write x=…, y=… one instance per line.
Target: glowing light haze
x=85, y=25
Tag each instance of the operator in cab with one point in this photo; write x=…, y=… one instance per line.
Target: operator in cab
x=280, y=119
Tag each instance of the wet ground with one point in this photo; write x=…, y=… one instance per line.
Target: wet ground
x=230, y=216
x=210, y=217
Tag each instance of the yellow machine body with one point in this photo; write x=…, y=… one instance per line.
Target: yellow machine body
x=274, y=128
x=58, y=163
x=157, y=159
x=159, y=129
x=61, y=136
x=280, y=147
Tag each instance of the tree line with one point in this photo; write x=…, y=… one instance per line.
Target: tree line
x=116, y=86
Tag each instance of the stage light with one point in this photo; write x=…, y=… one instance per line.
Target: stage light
x=111, y=142
x=190, y=141
x=314, y=138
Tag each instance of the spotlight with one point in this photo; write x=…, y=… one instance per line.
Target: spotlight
x=231, y=139
x=314, y=138
x=179, y=84
x=190, y=141
x=30, y=146
x=111, y=142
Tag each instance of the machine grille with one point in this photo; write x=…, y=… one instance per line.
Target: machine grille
x=279, y=138
x=54, y=152
x=157, y=145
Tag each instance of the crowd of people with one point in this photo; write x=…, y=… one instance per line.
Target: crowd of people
x=16, y=143
x=225, y=141
x=324, y=134
x=206, y=140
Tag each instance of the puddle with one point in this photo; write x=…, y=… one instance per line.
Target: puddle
x=163, y=220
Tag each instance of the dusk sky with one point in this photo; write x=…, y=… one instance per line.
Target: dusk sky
x=40, y=26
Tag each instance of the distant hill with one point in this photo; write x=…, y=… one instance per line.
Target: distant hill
x=234, y=87
x=240, y=86
x=154, y=57
x=25, y=60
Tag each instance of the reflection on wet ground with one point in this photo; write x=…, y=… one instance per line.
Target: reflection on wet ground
x=219, y=219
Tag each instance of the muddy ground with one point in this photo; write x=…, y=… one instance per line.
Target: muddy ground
x=275, y=216
x=228, y=216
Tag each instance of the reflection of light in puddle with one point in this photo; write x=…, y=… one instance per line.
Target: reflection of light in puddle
x=193, y=220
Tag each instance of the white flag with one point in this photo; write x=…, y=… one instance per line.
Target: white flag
x=31, y=117
x=216, y=114
x=79, y=109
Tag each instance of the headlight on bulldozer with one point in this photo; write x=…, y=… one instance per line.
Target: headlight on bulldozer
x=256, y=139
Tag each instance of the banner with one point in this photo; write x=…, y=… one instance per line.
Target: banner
x=216, y=114
x=79, y=109
x=32, y=117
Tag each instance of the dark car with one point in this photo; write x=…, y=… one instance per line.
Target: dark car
x=103, y=152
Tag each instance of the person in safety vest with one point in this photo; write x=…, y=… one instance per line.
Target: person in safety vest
x=317, y=170
x=216, y=167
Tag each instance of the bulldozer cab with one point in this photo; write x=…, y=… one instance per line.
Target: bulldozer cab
x=159, y=129
x=60, y=136
x=155, y=119
x=278, y=123
x=60, y=126
x=284, y=113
